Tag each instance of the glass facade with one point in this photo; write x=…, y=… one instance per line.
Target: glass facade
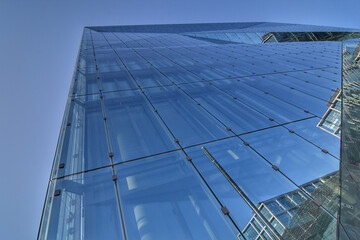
x=209, y=131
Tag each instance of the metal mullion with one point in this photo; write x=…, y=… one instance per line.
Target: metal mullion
x=109, y=146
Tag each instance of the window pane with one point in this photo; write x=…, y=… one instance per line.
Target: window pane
x=298, y=159
x=135, y=130
x=164, y=198
x=83, y=144
x=189, y=122
x=85, y=209
x=265, y=103
x=233, y=113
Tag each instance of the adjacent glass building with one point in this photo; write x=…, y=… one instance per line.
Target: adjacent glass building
x=209, y=131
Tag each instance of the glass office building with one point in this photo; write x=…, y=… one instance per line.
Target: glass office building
x=209, y=131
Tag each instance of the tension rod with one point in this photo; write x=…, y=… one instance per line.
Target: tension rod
x=241, y=193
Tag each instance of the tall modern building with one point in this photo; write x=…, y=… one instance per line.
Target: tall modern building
x=209, y=131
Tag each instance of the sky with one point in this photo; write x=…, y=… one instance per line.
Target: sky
x=39, y=41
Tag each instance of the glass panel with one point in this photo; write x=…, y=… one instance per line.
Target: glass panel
x=298, y=159
x=189, y=122
x=284, y=218
x=314, y=80
x=134, y=127
x=113, y=81
x=265, y=236
x=264, y=211
x=277, y=226
x=83, y=144
x=274, y=207
x=149, y=78
x=85, y=82
x=233, y=113
x=256, y=225
x=309, y=130
x=265, y=103
x=85, y=209
x=298, y=99
x=300, y=85
x=257, y=180
x=163, y=198
x=250, y=233
x=286, y=202
x=252, y=174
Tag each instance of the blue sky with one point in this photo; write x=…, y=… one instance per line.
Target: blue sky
x=39, y=41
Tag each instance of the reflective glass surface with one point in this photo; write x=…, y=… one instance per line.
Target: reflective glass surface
x=164, y=195
x=134, y=126
x=189, y=122
x=209, y=131
x=83, y=144
x=84, y=208
x=292, y=154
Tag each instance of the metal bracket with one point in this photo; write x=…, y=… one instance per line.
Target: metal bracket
x=57, y=192
x=114, y=177
x=276, y=168
x=111, y=154
x=61, y=165
x=225, y=210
